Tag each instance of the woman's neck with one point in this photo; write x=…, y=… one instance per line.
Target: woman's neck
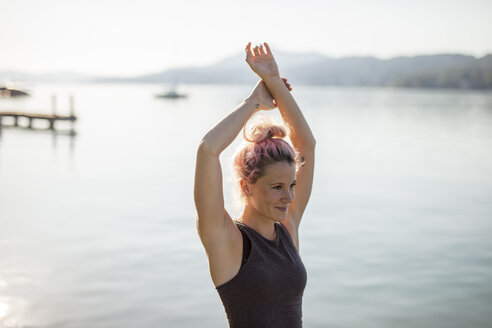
x=263, y=225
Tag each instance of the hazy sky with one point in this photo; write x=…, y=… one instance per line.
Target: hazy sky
x=120, y=37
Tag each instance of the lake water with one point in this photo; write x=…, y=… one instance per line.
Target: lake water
x=98, y=230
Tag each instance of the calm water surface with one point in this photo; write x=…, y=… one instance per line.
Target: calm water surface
x=98, y=230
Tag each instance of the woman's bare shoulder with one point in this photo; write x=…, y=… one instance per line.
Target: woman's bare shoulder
x=225, y=254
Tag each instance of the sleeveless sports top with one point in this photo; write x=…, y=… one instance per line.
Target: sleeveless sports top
x=267, y=291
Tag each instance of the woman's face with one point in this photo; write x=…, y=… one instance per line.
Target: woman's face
x=274, y=191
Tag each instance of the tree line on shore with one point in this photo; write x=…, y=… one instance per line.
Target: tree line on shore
x=454, y=71
x=429, y=71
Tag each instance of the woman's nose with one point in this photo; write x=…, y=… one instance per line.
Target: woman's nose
x=288, y=196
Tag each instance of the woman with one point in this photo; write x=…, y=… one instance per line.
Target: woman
x=254, y=260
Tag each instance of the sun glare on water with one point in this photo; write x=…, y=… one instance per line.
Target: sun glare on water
x=3, y=309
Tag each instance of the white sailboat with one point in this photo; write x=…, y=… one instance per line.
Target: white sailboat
x=171, y=94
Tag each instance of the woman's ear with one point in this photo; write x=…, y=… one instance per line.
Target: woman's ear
x=245, y=187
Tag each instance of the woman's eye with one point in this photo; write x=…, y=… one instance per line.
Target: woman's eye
x=293, y=185
x=277, y=187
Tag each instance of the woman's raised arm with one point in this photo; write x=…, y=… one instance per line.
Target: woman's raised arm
x=261, y=61
x=213, y=220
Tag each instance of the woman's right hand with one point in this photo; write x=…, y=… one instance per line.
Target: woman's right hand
x=262, y=97
x=261, y=61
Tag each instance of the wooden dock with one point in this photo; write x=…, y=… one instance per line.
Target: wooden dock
x=51, y=118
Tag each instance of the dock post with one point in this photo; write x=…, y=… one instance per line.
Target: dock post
x=53, y=104
x=72, y=110
x=16, y=123
x=72, y=115
x=1, y=125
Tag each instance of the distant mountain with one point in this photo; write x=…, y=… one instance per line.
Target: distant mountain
x=466, y=73
x=429, y=71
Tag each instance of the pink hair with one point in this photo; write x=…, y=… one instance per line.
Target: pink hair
x=265, y=146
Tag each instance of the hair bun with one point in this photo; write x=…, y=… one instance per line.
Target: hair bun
x=263, y=130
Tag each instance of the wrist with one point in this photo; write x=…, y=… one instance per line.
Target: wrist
x=273, y=79
x=252, y=102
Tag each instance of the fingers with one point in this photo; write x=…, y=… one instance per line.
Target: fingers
x=287, y=84
x=248, y=52
x=256, y=50
x=248, y=49
x=262, y=50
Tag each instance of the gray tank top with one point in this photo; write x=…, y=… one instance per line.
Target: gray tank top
x=267, y=291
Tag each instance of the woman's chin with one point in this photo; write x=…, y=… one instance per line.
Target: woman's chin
x=281, y=218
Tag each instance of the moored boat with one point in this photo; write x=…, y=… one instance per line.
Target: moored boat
x=6, y=92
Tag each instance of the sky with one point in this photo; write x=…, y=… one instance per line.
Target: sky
x=129, y=38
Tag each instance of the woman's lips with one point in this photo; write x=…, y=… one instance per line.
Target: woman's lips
x=283, y=209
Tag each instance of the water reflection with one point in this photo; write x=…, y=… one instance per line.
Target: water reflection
x=4, y=307
x=400, y=210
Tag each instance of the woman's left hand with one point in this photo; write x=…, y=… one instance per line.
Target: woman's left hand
x=261, y=61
